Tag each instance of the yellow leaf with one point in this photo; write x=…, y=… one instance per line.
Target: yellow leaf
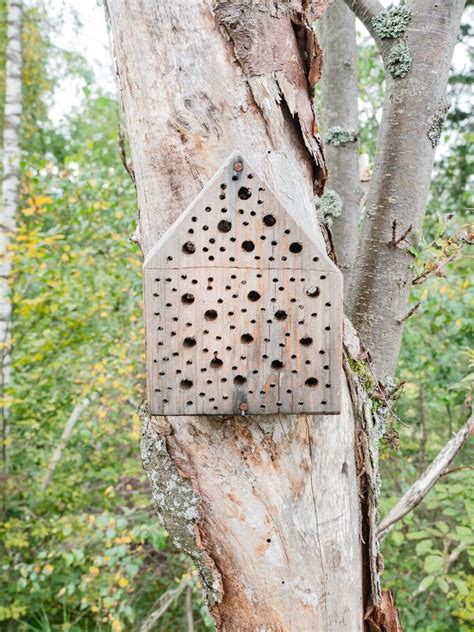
x=94, y=571
x=123, y=582
x=424, y=295
x=102, y=379
x=49, y=568
x=103, y=314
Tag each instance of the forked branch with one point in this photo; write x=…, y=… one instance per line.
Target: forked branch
x=365, y=10
x=427, y=480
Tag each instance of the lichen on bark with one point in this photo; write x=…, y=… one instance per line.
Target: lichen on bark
x=437, y=122
x=399, y=61
x=339, y=136
x=330, y=206
x=392, y=22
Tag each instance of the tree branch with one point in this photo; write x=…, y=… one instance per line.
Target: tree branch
x=365, y=10
x=164, y=602
x=427, y=480
x=67, y=432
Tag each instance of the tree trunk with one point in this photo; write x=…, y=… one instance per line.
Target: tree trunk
x=10, y=197
x=268, y=506
x=340, y=118
x=413, y=114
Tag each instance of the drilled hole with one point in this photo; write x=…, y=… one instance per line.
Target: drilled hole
x=186, y=384
x=240, y=379
x=210, y=314
x=281, y=314
x=248, y=246
x=187, y=299
x=216, y=363
x=246, y=338
x=189, y=248
x=253, y=296
x=277, y=365
x=296, y=247
x=189, y=342
x=224, y=226
x=312, y=382
x=244, y=193
x=306, y=341
x=313, y=292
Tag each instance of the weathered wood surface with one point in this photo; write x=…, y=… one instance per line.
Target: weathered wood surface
x=243, y=311
x=267, y=506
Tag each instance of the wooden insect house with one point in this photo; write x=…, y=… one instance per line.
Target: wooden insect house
x=243, y=311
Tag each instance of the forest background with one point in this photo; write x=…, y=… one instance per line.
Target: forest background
x=82, y=548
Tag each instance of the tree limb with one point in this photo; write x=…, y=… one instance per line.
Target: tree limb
x=427, y=480
x=67, y=432
x=163, y=603
x=365, y=10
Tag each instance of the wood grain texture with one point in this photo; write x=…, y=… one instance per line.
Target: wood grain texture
x=243, y=311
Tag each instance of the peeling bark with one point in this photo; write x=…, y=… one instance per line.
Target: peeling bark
x=268, y=507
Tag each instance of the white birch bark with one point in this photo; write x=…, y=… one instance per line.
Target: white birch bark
x=10, y=197
x=268, y=507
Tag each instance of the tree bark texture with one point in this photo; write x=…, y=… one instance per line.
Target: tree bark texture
x=268, y=507
x=10, y=198
x=340, y=122
x=414, y=107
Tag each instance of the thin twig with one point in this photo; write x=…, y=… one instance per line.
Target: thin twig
x=163, y=603
x=189, y=609
x=393, y=243
x=427, y=480
x=414, y=309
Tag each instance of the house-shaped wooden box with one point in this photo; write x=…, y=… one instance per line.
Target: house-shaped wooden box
x=243, y=312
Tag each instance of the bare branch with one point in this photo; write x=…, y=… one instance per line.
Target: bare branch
x=452, y=558
x=414, y=309
x=393, y=243
x=427, y=480
x=189, y=609
x=365, y=10
x=163, y=603
x=67, y=432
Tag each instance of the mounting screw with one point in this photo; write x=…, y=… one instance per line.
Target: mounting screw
x=243, y=408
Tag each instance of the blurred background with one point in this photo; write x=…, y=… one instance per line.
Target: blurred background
x=81, y=546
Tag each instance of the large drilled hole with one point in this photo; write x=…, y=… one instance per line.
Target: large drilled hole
x=277, y=365
x=189, y=248
x=253, y=296
x=210, y=314
x=187, y=298
x=281, y=314
x=269, y=220
x=312, y=382
x=306, y=341
x=296, y=247
x=248, y=246
x=246, y=338
x=186, y=384
x=240, y=379
x=244, y=193
x=216, y=363
x=313, y=291
x=224, y=226
x=189, y=342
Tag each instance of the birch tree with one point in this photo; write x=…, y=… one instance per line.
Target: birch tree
x=10, y=198
x=278, y=512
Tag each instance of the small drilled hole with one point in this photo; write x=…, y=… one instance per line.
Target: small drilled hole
x=210, y=314
x=216, y=363
x=240, y=379
x=248, y=246
x=246, y=338
x=281, y=314
x=244, y=193
x=277, y=365
x=306, y=341
x=189, y=342
x=189, y=248
x=313, y=292
x=312, y=382
x=186, y=384
x=269, y=220
x=253, y=296
x=187, y=299
x=224, y=226
x=296, y=247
